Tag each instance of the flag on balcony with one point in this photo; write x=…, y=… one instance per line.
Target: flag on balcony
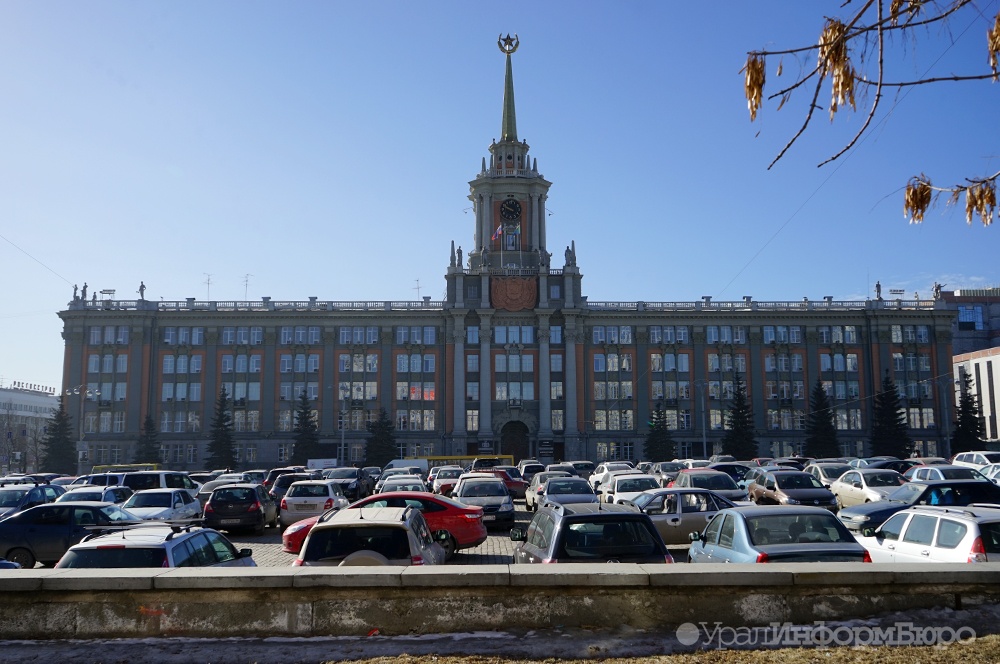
x=497, y=232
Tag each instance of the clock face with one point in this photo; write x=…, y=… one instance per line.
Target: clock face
x=510, y=209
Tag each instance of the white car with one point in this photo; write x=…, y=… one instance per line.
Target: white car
x=977, y=459
x=622, y=488
x=163, y=505
x=865, y=485
x=925, y=534
x=602, y=472
x=403, y=483
x=309, y=498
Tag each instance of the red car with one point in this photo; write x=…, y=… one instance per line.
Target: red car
x=514, y=485
x=464, y=523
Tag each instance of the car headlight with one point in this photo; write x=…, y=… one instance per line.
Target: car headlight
x=353, y=485
x=507, y=507
x=294, y=528
x=859, y=518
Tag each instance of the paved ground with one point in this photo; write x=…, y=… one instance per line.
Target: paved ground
x=496, y=550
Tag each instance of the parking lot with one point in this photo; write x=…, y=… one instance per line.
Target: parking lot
x=496, y=550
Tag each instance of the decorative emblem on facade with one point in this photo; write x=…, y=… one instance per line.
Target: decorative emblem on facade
x=513, y=293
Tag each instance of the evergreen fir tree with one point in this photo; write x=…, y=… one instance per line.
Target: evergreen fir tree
x=147, y=449
x=221, y=453
x=890, y=435
x=59, y=447
x=381, y=448
x=739, y=437
x=307, y=444
x=659, y=445
x=821, y=431
x=969, y=430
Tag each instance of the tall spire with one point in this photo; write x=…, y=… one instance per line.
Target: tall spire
x=508, y=131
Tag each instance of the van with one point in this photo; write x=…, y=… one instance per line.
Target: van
x=409, y=463
x=160, y=479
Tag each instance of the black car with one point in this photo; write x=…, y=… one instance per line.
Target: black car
x=45, y=532
x=278, y=490
x=920, y=492
x=275, y=473
x=589, y=533
x=240, y=507
x=17, y=497
x=355, y=482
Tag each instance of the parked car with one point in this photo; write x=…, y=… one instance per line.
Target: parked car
x=713, y=480
x=932, y=461
x=790, y=487
x=354, y=483
x=285, y=480
x=925, y=534
x=403, y=483
x=563, y=467
x=445, y=480
x=603, y=471
x=583, y=468
x=206, y=489
x=43, y=533
x=275, y=473
x=589, y=533
x=160, y=479
x=676, y=513
x=566, y=490
x=528, y=470
x=537, y=486
x=241, y=507
x=666, y=471
x=516, y=487
x=463, y=523
x=622, y=488
x=490, y=494
x=99, y=479
x=163, y=505
x=977, y=459
x=899, y=465
x=772, y=534
x=826, y=472
x=309, y=498
x=920, y=492
x=384, y=536
x=386, y=474
x=945, y=472
x=735, y=469
x=865, y=485
x=373, y=472
x=22, y=496
x=97, y=494
x=990, y=472
x=158, y=546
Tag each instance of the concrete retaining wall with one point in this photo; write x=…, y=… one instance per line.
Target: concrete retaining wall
x=57, y=604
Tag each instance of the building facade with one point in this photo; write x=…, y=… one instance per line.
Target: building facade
x=516, y=359
x=25, y=411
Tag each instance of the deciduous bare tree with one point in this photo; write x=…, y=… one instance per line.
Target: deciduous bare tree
x=851, y=53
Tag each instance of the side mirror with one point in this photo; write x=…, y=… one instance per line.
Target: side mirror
x=856, y=485
x=868, y=532
x=517, y=535
x=245, y=553
x=695, y=536
x=441, y=535
x=769, y=486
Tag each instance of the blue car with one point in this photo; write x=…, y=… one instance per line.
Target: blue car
x=775, y=534
x=17, y=497
x=920, y=492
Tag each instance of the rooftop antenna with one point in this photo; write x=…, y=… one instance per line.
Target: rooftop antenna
x=417, y=288
x=208, y=286
x=246, y=284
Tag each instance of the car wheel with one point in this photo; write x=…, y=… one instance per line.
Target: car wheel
x=450, y=546
x=23, y=557
x=840, y=505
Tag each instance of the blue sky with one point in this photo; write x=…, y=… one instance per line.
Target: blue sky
x=325, y=149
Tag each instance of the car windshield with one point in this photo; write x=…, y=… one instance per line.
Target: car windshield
x=533, y=468
x=234, y=495
x=11, y=497
x=307, y=491
x=670, y=467
x=336, y=543
x=482, y=489
x=993, y=458
x=584, y=465
x=637, y=484
x=341, y=473
x=403, y=486
x=564, y=487
x=833, y=472
x=107, y=558
x=804, y=481
x=157, y=499
x=796, y=528
x=449, y=474
x=607, y=539
x=884, y=479
x=959, y=474
x=713, y=482
x=80, y=495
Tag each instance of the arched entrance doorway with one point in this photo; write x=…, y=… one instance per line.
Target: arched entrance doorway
x=514, y=440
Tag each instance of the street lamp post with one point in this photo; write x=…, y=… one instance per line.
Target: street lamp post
x=83, y=392
x=701, y=386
